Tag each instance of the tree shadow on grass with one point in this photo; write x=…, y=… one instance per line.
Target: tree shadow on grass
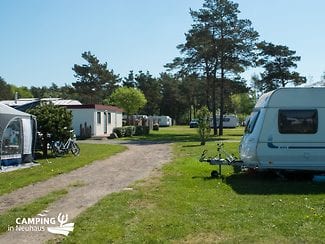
x=268, y=183
x=205, y=177
x=196, y=145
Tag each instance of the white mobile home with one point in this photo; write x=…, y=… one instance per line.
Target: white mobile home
x=163, y=121
x=229, y=121
x=95, y=120
x=286, y=131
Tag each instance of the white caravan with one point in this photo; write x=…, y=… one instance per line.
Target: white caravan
x=286, y=131
x=229, y=121
x=163, y=121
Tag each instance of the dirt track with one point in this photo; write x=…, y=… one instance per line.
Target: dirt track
x=91, y=183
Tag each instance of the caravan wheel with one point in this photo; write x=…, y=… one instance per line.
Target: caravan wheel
x=214, y=174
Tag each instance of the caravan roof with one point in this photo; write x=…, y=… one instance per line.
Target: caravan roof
x=293, y=97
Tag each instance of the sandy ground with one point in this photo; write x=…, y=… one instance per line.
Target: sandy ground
x=87, y=185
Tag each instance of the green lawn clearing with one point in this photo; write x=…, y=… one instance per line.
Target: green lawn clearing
x=187, y=134
x=48, y=168
x=186, y=205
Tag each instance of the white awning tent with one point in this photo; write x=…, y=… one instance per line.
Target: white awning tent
x=17, y=136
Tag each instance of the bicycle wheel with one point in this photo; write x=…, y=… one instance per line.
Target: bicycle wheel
x=56, y=148
x=75, y=149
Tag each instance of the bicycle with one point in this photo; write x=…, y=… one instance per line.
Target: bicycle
x=60, y=148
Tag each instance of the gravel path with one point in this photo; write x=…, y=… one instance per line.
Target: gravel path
x=92, y=183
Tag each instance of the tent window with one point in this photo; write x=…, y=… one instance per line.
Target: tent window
x=11, y=141
x=298, y=121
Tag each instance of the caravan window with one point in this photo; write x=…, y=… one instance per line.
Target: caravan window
x=298, y=121
x=252, y=121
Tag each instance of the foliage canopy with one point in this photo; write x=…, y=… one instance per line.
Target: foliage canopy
x=94, y=80
x=278, y=62
x=130, y=99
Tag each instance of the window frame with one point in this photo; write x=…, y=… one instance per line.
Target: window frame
x=99, y=117
x=249, y=128
x=109, y=118
x=298, y=128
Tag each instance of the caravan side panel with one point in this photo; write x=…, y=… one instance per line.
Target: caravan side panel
x=293, y=138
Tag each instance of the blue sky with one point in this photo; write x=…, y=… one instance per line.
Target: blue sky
x=41, y=40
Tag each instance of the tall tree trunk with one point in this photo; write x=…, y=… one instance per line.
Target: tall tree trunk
x=222, y=99
x=207, y=90
x=214, y=107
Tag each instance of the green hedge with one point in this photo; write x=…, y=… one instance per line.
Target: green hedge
x=128, y=131
x=119, y=131
x=141, y=130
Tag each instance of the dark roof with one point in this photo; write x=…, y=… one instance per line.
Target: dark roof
x=96, y=106
x=27, y=106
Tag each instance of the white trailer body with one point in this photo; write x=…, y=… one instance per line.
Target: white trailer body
x=229, y=121
x=163, y=121
x=286, y=131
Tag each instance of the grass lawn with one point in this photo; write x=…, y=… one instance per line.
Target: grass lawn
x=185, y=205
x=187, y=134
x=48, y=168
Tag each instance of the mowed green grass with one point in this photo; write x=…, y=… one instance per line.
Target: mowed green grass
x=187, y=134
x=51, y=167
x=183, y=204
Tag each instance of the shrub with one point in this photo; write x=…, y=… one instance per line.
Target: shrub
x=120, y=131
x=204, y=129
x=129, y=131
x=141, y=130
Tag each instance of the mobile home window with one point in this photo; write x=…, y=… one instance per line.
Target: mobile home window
x=298, y=121
x=99, y=117
x=109, y=118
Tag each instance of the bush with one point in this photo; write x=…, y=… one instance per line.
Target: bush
x=155, y=127
x=54, y=120
x=120, y=131
x=126, y=131
x=204, y=129
x=129, y=131
x=141, y=130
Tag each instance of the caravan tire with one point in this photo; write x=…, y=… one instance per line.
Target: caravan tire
x=214, y=174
